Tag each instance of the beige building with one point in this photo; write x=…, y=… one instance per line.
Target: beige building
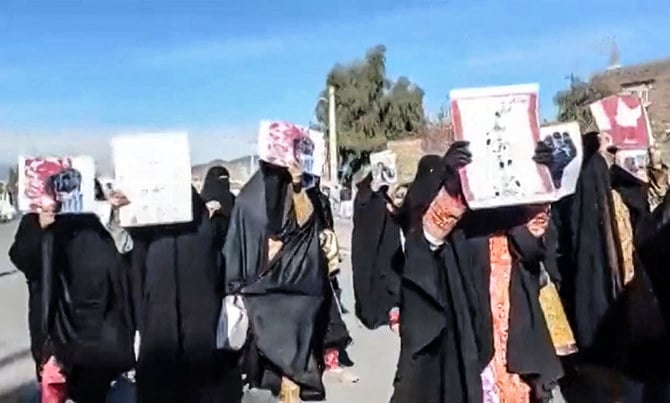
x=651, y=82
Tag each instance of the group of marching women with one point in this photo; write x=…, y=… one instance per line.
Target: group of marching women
x=507, y=305
x=143, y=306
x=533, y=303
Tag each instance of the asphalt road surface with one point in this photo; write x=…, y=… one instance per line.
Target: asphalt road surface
x=374, y=352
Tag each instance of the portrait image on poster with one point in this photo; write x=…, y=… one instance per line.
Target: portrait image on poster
x=502, y=126
x=634, y=162
x=282, y=143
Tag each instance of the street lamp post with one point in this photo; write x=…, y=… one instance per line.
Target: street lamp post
x=332, y=135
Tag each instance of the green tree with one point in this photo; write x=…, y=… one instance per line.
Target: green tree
x=370, y=108
x=573, y=103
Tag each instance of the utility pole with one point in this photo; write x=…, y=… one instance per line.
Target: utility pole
x=332, y=135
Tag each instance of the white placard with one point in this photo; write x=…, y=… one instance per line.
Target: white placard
x=154, y=171
x=502, y=126
x=383, y=165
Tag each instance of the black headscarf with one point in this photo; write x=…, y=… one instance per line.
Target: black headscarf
x=217, y=187
x=430, y=175
x=321, y=205
x=275, y=182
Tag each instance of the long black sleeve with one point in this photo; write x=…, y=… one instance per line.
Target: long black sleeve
x=25, y=252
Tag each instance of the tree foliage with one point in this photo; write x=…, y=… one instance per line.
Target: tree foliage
x=573, y=103
x=371, y=108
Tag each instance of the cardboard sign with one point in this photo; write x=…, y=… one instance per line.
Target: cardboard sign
x=154, y=171
x=64, y=184
x=502, y=126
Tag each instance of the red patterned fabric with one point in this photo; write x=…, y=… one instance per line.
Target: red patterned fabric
x=509, y=387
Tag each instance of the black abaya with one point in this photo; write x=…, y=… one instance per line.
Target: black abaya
x=376, y=258
x=216, y=187
x=86, y=305
x=444, y=346
x=530, y=350
x=179, y=303
x=284, y=297
x=445, y=341
x=25, y=254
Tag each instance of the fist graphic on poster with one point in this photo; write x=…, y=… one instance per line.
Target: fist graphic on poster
x=563, y=151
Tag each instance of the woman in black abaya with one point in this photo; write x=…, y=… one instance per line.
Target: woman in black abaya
x=86, y=302
x=444, y=345
x=178, y=303
x=618, y=324
x=376, y=256
x=220, y=201
x=26, y=254
x=274, y=260
x=337, y=337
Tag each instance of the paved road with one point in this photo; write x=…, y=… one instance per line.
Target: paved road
x=374, y=353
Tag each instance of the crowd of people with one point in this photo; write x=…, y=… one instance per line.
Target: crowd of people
x=506, y=305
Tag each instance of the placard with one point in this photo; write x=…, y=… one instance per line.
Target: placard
x=565, y=139
x=622, y=121
x=635, y=162
x=383, y=165
x=280, y=143
x=624, y=125
x=65, y=184
x=502, y=126
x=154, y=171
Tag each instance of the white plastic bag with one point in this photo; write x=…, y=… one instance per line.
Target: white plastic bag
x=231, y=331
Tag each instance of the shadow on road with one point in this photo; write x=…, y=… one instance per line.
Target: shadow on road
x=20, y=393
x=14, y=357
x=26, y=393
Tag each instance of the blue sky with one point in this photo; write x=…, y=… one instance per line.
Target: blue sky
x=74, y=72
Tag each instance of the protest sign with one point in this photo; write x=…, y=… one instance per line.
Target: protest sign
x=154, y=171
x=66, y=184
x=502, y=126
